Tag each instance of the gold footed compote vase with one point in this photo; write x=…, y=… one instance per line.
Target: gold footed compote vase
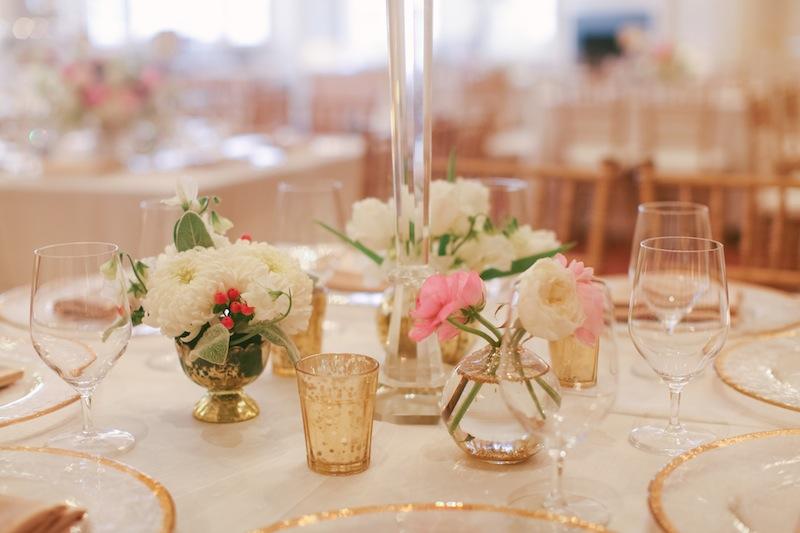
x=225, y=400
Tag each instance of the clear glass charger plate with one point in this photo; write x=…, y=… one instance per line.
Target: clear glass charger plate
x=433, y=517
x=117, y=498
x=38, y=393
x=747, y=483
x=767, y=369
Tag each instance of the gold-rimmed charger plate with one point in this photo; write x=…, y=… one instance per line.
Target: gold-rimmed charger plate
x=749, y=482
x=118, y=498
x=432, y=517
x=38, y=393
x=766, y=368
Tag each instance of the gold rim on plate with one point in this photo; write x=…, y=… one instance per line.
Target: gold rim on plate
x=738, y=387
x=159, y=491
x=656, y=487
x=314, y=518
x=40, y=412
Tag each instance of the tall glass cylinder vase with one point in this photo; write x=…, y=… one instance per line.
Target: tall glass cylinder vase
x=412, y=376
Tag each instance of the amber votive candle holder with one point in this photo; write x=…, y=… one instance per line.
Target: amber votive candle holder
x=574, y=362
x=337, y=398
x=308, y=342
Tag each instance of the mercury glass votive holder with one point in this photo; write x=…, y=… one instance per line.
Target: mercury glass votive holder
x=337, y=398
x=308, y=342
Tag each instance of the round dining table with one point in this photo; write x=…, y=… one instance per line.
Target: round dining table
x=239, y=477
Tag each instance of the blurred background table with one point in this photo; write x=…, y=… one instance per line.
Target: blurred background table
x=65, y=208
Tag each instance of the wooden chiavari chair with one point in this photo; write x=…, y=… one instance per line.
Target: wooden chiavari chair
x=555, y=203
x=749, y=213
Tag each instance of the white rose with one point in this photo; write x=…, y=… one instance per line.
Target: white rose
x=453, y=203
x=548, y=301
x=527, y=241
x=372, y=224
x=487, y=251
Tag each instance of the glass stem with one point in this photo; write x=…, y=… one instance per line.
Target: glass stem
x=86, y=412
x=674, y=410
x=556, y=499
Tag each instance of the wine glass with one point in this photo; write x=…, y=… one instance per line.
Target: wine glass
x=156, y=224
x=678, y=319
x=588, y=376
x=80, y=325
x=299, y=208
x=508, y=198
x=662, y=219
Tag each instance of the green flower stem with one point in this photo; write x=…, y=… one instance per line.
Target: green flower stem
x=473, y=392
x=491, y=327
x=463, y=327
x=518, y=364
x=549, y=390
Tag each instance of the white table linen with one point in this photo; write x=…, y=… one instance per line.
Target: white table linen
x=242, y=476
x=36, y=212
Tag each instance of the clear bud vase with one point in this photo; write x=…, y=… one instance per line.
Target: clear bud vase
x=480, y=397
x=411, y=376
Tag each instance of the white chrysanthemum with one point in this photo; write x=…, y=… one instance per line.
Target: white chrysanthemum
x=527, y=241
x=549, y=306
x=372, y=223
x=180, y=292
x=487, y=251
x=284, y=274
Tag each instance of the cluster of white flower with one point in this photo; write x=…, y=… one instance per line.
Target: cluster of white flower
x=459, y=214
x=181, y=286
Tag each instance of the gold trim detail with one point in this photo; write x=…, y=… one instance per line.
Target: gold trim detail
x=656, y=487
x=314, y=518
x=40, y=413
x=160, y=491
x=731, y=382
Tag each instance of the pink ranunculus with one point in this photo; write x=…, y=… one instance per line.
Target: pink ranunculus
x=591, y=298
x=442, y=297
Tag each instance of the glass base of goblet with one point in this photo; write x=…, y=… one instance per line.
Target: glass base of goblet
x=582, y=507
x=99, y=442
x=663, y=441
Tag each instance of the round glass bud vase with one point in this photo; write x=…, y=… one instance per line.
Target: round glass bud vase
x=452, y=350
x=225, y=400
x=478, y=416
x=308, y=342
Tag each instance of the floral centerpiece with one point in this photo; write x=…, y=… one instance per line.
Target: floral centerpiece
x=463, y=237
x=557, y=301
x=223, y=303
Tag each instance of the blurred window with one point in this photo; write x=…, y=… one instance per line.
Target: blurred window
x=235, y=22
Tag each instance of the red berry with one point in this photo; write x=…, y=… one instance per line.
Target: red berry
x=233, y=294
x=247, y=310
x=227, y=322
x=246, y=237
x=236, y=307
x=220, y=298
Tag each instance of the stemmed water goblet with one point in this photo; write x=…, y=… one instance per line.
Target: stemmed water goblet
x=80, y=326
x=678, y=319
x=588, y=377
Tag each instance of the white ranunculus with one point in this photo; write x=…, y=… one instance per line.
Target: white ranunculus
x=472, y=197
x=372, y=224
x=548, y=301
x=185, y=195
x=487, y=251
x=180, y=292
x=527, y=241
x=453, y=203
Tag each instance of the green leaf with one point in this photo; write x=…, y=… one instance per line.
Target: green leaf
x=190, y=232
x=250, y=361
x=274, y=334
x=411, y=231
x=524, y=263
x=451, y=166
x=137, y=316
x=213, y=345
x=443, y=242
x=355, y=244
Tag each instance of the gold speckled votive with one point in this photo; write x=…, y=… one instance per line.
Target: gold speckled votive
x=574, y=362
x=337, y=398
